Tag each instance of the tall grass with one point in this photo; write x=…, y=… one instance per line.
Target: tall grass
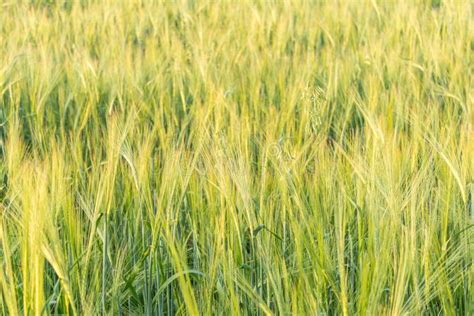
x=236, y=157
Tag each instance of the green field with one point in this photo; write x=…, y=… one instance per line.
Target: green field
x=236, y=157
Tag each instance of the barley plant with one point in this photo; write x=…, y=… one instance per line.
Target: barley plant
x=236, y=157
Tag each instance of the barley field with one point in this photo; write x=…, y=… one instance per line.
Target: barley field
x=236, y=157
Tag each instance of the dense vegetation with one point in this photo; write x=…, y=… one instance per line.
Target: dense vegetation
x=236, y=157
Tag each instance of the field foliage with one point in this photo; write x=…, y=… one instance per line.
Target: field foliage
x=236, y=157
